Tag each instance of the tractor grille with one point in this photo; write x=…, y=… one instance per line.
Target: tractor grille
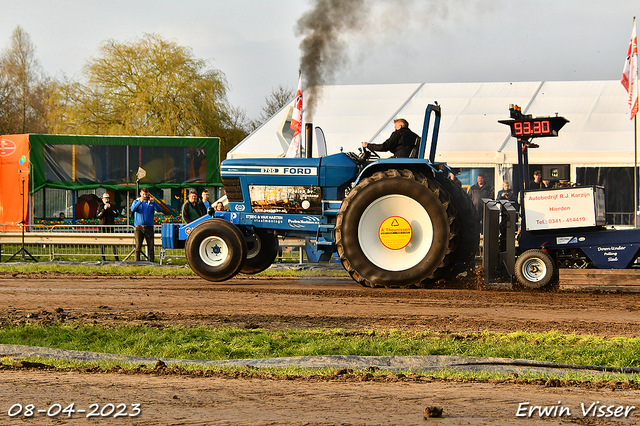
x=233, y=189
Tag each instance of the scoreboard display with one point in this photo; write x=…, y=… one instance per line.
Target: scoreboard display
x=526, y=127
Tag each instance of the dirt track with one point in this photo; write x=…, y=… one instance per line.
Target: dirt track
x=303, y=303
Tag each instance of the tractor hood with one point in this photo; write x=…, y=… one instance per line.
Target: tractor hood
x=331, y=171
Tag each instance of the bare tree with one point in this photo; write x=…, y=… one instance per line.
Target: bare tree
x=278, y=98
x=237, y=128
x=22, y=86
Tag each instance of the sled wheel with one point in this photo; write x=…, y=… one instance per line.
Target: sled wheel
x=262, y=249
x=216, y=250
x=394, y=229
x=535, y=268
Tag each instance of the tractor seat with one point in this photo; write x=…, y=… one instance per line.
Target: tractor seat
x=416, y=148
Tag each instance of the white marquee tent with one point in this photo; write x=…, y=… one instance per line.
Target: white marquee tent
x=599, y=131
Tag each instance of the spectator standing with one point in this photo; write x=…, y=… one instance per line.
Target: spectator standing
x=219, y=206
x=193, y=208
x=479, y=191
x=106, y=215
x=506, y=193
x=144, y=209
x=205, y=200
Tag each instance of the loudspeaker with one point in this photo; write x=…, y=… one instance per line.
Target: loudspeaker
x=555, y=172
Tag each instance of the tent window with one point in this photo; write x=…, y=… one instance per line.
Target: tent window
x=108, y=163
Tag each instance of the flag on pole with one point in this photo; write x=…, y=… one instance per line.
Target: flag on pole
x=296, y=124
x=630, y=72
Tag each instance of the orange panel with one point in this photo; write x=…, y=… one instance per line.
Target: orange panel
x=14, y=176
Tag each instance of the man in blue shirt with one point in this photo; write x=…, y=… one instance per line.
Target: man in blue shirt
x=144, y=208
x=205, y=199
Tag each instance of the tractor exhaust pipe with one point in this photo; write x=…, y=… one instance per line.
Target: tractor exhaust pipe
x=308, y=139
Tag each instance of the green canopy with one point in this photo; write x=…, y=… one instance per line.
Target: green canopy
x=87, y=162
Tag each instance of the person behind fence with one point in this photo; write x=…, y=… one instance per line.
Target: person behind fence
x=106, y=215
x=479, y=191
x=536, y=183
x=400, y=143
x=193, y=208
x=453, y=178
x=144, y=209
x=506, y=193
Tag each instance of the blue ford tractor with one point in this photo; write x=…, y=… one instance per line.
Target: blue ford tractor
x=394, y=222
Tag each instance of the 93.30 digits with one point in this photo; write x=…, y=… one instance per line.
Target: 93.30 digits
x=536, y=127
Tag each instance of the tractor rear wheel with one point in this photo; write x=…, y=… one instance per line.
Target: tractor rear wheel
x=467, y=239
x=216, y=250
x=262, y=249
x=535, y=268
x=394, y=229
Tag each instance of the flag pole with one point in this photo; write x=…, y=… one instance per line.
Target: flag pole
x=635, y=134
x=630, y=82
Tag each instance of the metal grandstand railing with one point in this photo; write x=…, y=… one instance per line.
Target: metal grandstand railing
x=78, y=243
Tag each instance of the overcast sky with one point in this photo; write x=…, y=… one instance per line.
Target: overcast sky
x=256, y=45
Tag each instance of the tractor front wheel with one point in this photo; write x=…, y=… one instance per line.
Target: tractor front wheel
x=216, y=250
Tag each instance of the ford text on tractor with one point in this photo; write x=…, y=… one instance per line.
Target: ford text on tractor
x=394, y=222
x=563, y=226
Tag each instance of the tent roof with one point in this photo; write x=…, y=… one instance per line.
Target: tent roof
x=599, y=129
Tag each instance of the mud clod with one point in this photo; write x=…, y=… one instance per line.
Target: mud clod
x=432, y=411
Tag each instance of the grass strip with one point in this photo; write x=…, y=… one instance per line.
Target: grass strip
x=139, y=270
x=233, y=343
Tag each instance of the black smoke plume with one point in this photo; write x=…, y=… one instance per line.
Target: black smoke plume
x=323, y=46
x=334, y=28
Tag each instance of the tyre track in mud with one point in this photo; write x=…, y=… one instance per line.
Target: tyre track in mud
x=319, y=302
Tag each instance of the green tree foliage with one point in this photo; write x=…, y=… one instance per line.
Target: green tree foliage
x=147, y=87
x=23, y=87
x=150, y=86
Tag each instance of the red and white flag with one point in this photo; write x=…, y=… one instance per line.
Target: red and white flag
x=630, y=72
x=296, y=124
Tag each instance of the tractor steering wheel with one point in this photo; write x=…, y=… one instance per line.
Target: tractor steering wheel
x=367, y=153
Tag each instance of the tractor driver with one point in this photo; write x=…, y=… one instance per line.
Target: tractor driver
x=400, y=143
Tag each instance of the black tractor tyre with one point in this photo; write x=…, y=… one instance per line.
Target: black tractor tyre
x=467, y=238
x=535, y=268
x=216, y=250
x=262, y=250
x=391, y=192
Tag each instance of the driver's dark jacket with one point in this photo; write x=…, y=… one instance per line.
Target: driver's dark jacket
x=191, y=212
x=400, y=143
